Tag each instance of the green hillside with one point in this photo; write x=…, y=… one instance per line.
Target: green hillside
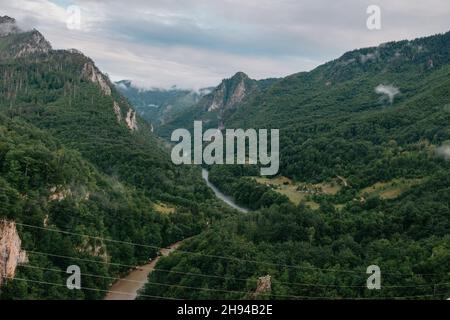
x=159, y=106
x=361, y=141
x=216, y=107
x=75, y=157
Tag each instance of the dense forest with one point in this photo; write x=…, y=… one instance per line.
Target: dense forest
x=82, y=177
x=364, y=180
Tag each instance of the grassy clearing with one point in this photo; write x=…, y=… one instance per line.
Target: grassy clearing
x=313, y=205
x=163, y=208
x=390, y=189
x=329, y=188
x=299, y=192
x=284, y=186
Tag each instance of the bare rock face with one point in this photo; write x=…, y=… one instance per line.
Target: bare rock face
x=230, y=93
x=217, y=102
x=31, y=42
x=117, y=112
x=131, y=120
x=35, y=44
x=91, y=73
x=59, y=193
x=264, y=286
x=238, y=94
x=11, y=253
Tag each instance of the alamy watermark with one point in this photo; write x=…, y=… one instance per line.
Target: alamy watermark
x=374, y=280
x=235, y=150
x=73, y=282
x=374, y=20
x=73, y=19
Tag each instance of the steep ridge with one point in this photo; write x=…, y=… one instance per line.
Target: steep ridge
x=364, y=180
x=216, y=107
x=75, y=157
x=16, y=43
x=345, y=110
x=159, y=106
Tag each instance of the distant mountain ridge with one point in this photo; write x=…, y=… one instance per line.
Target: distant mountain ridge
x=379, y=85
x=75, y=156
x=218, y=105
x=158, y=106
x=364, y=180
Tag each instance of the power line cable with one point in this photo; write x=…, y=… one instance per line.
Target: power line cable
x=171, y=298
x=215, y=256
x=89, y=289
x=163, y=284
x=223, y=277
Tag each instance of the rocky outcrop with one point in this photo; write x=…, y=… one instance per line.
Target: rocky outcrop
x=238, y=94
x=35, y=44
x=92, y=74
x=95, y=250
x=31, y=42
x=59, y=194
x=11, y=254
x=117, y=111
x=263, y=287
x=131, y=120
x=230, y=93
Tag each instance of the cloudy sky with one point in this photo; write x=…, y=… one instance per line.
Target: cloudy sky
x=196, y=43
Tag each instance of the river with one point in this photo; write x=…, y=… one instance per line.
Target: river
x=220, y=195
x=127, y=288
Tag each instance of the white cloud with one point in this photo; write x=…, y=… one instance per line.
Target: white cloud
x=368, y=57
x=444, y=151
x=387, y=90
x=194, y=43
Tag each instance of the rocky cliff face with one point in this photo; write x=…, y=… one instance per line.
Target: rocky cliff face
x=264, y=285
x=35, y=44
x=230, y=93
x=131, y=119
x=91, y=73
x=11, y=253
x=117, y=111
x=30, y=42
x=159, y=106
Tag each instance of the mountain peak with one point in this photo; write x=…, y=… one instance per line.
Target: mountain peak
x=6, y=19
x=240, y=75
x=34, y=43
x=21, y=43
x=8, y=26
x=230, y=92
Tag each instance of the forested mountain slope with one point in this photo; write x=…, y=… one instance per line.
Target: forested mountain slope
x=75, y=157
x=159, y=106
x=364, y=180
x=344, y=115
x=216, y=107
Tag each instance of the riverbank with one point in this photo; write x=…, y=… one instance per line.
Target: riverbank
x=128, y=287
x=219, y=194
